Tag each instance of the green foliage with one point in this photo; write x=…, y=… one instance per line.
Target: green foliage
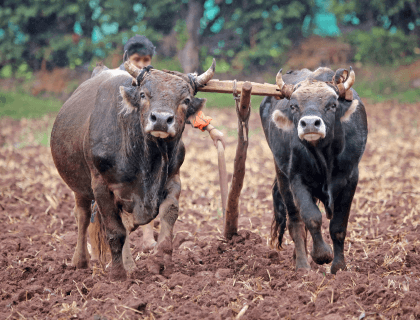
x=223, y=100
x=371, y=94
x=389, y=14
x=385, y=83
x=167, y=63
x=262, y=30
x=72, y=33
x=20, y=105
x=380, y=46
x=181, y=34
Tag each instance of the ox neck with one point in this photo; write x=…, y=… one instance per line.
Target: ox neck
x=149, y=157
x=324, y=160
x=154, y=172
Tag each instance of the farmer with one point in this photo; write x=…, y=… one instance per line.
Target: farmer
x=140, y=51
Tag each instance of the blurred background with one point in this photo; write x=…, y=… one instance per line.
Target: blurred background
x=47, y=48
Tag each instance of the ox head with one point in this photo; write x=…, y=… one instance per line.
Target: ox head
x=164, y=100
x=314, y=106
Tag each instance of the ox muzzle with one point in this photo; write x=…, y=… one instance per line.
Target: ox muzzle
x=311, y=128
x=161, y=124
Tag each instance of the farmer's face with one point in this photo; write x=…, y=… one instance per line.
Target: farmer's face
x=140, y=61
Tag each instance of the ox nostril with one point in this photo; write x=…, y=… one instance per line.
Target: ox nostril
x=170, y=120
x=317, y=123
x=303, y=123
x=153, y=117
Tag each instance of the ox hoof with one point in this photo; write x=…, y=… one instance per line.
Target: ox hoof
x=135, y=273
x=338, y=265
x=322, y=254
x=157, y=263
x=129, y=265
x=302, y=265
x=148, y=246
x=79, y=262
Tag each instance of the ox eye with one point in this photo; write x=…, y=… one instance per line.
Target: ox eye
x=142, y=95
x=187, y=101
x=293, y=106
x=334, y=106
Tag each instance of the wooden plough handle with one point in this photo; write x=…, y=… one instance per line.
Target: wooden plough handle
x=230, y=223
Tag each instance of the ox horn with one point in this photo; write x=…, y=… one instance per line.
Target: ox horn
x=343, y=86
x=286, y=90
x=203, y=78
x=350, y=80
x=132, y=69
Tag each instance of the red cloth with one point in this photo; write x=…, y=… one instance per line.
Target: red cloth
x=201, y=121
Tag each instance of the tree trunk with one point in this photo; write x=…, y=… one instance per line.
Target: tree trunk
x=189, y=55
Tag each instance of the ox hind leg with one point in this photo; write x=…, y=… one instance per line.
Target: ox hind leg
x=82, y=212
x=283, y=200
x=114, y=228
x=168, y=212
x=321, y=252
x=278, y=225
x=339, y=221
x=100, y=247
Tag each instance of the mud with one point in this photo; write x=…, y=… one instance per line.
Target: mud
x=212, y=278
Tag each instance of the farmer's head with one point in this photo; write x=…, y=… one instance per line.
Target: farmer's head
x=140, y=51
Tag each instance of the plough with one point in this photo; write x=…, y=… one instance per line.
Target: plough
x=230, y=200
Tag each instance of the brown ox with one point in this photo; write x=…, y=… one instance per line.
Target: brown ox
x=117, y=140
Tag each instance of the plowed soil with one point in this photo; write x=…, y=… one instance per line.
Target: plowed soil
x=213, y=278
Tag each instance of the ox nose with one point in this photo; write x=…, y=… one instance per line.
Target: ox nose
x=311, y=128
x=161, y=121
x=311, y=123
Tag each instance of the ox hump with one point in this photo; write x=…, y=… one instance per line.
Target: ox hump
x=115, y=72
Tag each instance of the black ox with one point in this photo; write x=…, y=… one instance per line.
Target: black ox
x=317, y=133
x=117, y=140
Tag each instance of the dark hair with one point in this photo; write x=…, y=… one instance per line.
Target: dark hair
x=141, y=45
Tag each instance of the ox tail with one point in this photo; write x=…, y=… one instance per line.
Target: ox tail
x=278, y=226
x=97, y=236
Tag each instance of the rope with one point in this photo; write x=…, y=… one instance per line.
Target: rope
x=237, y=99
x=236, y=96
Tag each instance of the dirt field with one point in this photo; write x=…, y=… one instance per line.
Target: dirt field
x=212, y=278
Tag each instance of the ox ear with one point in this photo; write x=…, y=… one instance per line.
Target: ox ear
x=282, y=121
x=195, y=105
x=128, y=95
x=347, y=112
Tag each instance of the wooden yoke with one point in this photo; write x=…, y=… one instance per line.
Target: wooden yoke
x=243, y=111
x=258, y=89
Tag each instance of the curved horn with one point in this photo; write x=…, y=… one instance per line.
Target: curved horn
x=286, y=90
x=350, y=80
x=125, y=56
x=132, y=69
x=203, y=78
x=279, y=79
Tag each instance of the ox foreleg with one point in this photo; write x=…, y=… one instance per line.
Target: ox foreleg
x=321, y=252
x=129, y=263
x=149, y=241
x=115, y=230
x=339, y=221
x=168, y=212
x=295, y=224
x=82, y=212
